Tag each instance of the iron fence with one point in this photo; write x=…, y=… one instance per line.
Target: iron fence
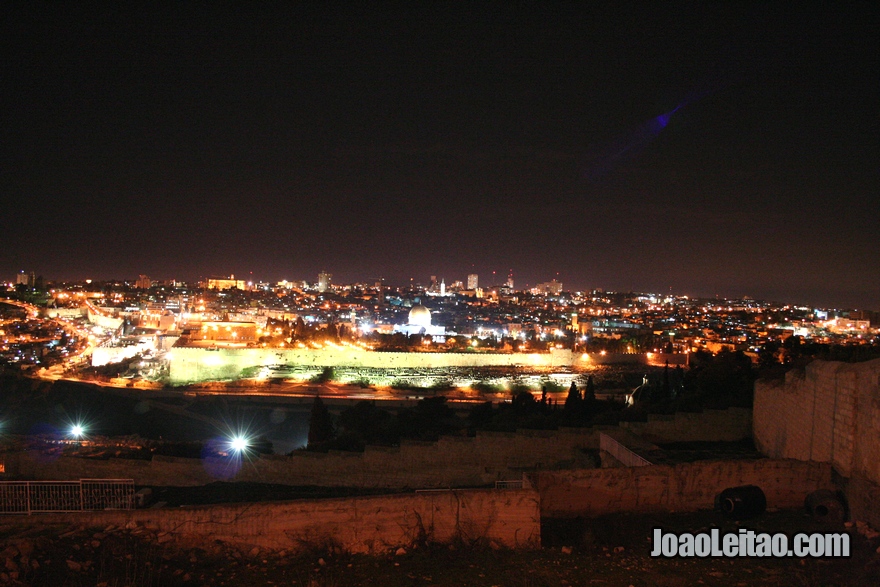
x=518, y=484
x=620, y=452
x=29, y=497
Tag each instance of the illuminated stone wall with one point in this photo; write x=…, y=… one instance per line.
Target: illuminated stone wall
x=828, y=412
x=77, y=312
x=189, y=364
x=107, y=322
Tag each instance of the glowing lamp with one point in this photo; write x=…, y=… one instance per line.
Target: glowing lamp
x=239, y=444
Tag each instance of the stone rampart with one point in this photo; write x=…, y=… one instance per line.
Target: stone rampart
x=77, y=312
x=189, y=364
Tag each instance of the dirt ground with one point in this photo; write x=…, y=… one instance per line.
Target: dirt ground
x=612, y=550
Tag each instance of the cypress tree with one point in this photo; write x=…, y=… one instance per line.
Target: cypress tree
x=320, y=423
x=573, y=399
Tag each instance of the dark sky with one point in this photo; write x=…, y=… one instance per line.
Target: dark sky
x=710, y=148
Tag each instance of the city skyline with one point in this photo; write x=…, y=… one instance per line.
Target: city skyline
x=491, y=281
x=714, y=150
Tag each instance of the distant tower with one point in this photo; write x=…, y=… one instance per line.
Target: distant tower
x=473, y=281
x=443, y=287
x=510, y=279
x=324, y=281
x=143, y=282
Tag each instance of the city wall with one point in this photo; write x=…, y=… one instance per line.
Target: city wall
x=108, y=322
x=193, y=364
x=77, y=312
x=189, y=364
x=828, y=412
x=680, y=488
x=372, y=525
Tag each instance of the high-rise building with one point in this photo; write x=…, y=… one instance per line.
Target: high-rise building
x=23, y=278
x=324, y=281
x=473, y=281
x=143, y=282
x=551, y=287
x=510, y=280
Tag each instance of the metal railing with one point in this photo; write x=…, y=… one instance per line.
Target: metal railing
x=29, y=497
x=621, y=453
x=518, y=484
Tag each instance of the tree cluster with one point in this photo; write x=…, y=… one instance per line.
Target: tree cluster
x=365, y=423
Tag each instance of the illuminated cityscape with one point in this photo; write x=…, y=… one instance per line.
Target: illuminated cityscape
x=294, y=329
x=442, y=294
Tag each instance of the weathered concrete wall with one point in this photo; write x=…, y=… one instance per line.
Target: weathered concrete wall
x=727, y=425
x=828, y=412
x=505, y=518
x=684, y=487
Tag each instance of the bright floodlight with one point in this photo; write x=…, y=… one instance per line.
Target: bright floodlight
x=238, y=443
x=77, y=430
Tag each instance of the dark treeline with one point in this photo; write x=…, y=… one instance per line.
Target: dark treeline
x=366, y=423
x=718, y=381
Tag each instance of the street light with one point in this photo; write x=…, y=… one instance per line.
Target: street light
x=239, y=444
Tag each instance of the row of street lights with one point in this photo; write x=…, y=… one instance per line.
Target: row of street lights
x=236, y=444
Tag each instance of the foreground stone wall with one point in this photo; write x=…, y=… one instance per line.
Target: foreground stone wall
x=828, y=412
x=682, y=488
x=374, y=525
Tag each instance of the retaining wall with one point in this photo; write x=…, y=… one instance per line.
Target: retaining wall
x=374, y=525
x=685, y=487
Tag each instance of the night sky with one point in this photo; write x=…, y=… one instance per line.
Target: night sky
x=699, y=148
